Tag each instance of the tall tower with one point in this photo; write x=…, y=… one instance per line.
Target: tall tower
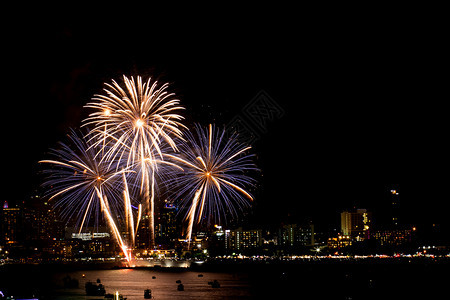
x=11, y=221
x=346, y=223
x=395, y=205
x=166, y=230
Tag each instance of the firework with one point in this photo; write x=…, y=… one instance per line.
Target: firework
x=214, y=175
x=135, y=144
x=131, y=124
x=85, y=187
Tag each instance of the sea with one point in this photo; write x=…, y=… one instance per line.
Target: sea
x=347, y=280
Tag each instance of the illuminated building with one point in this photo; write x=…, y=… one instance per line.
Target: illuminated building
x=239, y=239
x=218, y=232
x=199, y=241
x=92, y=241
x=356, y=224
x=341, y=241
x=11, y=224
x=216, y=241
x=143, y=233
x=395, y=206
x=40, y=221
x=293, y=235
x=88, y=233
x=166, y=232
x=395, y=237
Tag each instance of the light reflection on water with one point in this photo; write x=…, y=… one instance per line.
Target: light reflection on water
x=131, y=283
x=165, y=263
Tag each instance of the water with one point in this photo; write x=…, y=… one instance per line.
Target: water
x=328, y=279
x=131, y=283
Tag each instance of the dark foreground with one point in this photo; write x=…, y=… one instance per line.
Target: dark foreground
x=325, y=279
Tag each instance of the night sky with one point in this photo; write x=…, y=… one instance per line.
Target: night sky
x=362, y=102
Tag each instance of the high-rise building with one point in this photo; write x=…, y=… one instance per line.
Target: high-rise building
x=294, y=235
x=395, y=207
x=356, y=224
x=346, y=223
x=143, y=233
x=239, y=239
x=11, y=225
x=40, y=222
x=166, y=232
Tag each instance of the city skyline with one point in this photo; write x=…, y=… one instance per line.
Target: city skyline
x=329, y=217
x=358, y=224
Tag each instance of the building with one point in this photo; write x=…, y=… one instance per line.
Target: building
x=87, y=234
x=40, y=222
x=356, y=224
x=341, y=241
x=142, y=240
x=239, y=240
x=294, y=235
x=91, y=242
x=393, y=237
x=216, y=241
x=166, y=227
x=395, y=207
x=11, y=225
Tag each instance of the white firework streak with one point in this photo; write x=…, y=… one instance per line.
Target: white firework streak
x=131, y=124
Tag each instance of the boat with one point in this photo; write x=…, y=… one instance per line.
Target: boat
x=148, y=294
x=215, y=284
x=93, y=289
x=180, y=287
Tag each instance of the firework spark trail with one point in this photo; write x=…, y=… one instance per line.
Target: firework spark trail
x=81, y=183
x=191, y=214
x=73, y=179
x=133, y=123
x=129, y=220
x=213, y=175
x=107, y=212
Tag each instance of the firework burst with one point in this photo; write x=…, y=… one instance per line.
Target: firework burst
x=86, y=188
x=136, y=143
x=74, y=177
x=136, y=120
x=214, y=175
x=131, y=124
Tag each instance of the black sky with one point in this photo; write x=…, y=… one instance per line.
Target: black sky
x=361, y=98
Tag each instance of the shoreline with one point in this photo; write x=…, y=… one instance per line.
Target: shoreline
x=220, y=264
